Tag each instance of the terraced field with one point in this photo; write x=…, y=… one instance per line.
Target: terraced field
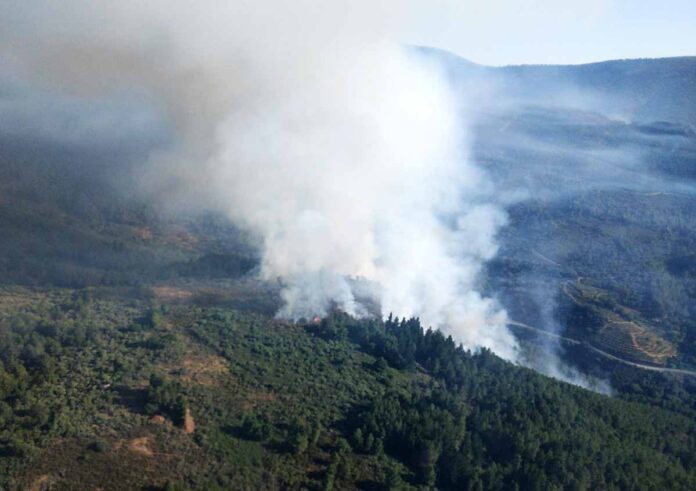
x=632, y=341
x=622, y=331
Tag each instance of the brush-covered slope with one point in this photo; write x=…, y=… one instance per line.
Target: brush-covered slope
x=106, y=390
x=66, y=220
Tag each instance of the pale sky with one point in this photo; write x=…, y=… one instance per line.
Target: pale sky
x=498, y=32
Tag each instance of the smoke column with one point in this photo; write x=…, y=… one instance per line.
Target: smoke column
x=310, y=126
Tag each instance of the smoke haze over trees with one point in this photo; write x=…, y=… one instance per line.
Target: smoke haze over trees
x=343, y=154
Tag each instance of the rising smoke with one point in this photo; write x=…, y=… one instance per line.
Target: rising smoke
x=309, y=126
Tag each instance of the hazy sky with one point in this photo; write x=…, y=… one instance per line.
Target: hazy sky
x=499, y=32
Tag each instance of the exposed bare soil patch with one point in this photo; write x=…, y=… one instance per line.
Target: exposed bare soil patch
x=141, y=445
x=189, y=423
x=636, y=342
x=42, y=483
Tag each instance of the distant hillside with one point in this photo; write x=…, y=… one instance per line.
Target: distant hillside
x=596, y=165
x=635, y=90
x=66, y=221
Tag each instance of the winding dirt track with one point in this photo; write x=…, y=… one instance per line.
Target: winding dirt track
x=678, y=371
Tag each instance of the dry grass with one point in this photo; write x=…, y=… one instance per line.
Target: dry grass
x=15, y=299
x=172, y=294
x=41, y=483
x=204, y=369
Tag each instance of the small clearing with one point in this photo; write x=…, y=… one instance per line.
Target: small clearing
x=141, y=445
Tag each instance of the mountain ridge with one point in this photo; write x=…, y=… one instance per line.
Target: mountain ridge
x=646, y=89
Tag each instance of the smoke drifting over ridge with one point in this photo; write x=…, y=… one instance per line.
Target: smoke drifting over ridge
x=308, y=125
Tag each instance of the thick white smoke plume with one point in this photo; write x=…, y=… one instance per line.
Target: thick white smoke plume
x=310, y=126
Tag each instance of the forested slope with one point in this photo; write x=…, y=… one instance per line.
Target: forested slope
x=101, y=388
